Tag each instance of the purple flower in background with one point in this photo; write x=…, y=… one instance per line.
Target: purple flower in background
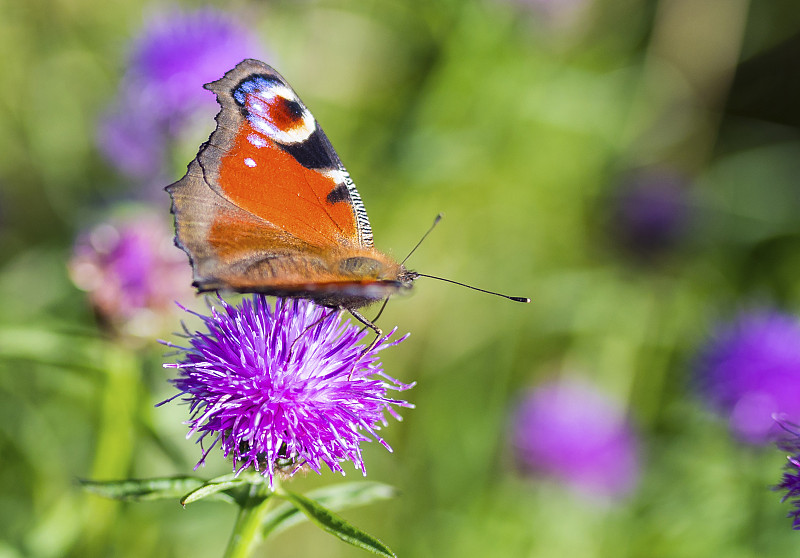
x=790, y=482
x=651, y=212
x=569, y=431
x=132, y=140
x=176, y=53
x=556, y=13
x=750, y=370
x=132, y=273
x=285, y=387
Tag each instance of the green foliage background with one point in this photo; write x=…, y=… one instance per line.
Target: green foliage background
x=518, y=128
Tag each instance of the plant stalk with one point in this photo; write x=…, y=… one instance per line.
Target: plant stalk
x=247, y=533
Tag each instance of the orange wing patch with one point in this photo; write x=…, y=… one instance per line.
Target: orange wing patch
x=263, y=179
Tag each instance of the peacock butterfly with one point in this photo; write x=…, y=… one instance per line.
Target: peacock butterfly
x=268, y=207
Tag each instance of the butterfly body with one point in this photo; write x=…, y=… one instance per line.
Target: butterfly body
x=268, y=207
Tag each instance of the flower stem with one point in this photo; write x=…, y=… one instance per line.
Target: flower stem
x=116, y=435
x=247, y=532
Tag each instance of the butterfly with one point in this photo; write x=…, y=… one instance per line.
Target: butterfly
x=268, y=207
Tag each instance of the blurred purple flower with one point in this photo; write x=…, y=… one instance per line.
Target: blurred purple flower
x=286, y=387
x=750, y=370
x=651, y=212
x=569, y=431
x=132, y=272
x=178, y=53
x=131, y=139
x=173, y=57
x=556, y=13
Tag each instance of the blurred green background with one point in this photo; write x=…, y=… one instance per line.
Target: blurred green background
x=517, y=119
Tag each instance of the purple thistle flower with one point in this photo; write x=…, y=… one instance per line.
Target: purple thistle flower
x=175, y=55
x=285, y=387
x=557, y=14
x=179, y=52
x=750, y=371
x=133, y=141
x=132, y=273
x=651, y=212
x=791, y=475
x=569, y=431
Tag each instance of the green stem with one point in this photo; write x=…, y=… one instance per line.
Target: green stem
x=116, y=434
x=247, y=532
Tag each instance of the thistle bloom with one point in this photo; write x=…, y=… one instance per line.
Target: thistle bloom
x=790, y=482
x=174, y=56
x=750, y=371
x=557, y=14
x=651, y=212
x=284, y=387
x=132, y=273
x=569, y=431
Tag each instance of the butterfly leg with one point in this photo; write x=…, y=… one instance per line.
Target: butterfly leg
x=373, y=327
x=383, y=307
x=375, y=319
x=369, y=324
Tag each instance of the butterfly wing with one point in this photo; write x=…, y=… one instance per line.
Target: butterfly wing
x=266, y=138
x=267, y=206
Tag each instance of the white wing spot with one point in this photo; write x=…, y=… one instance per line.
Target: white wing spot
x=256, y=140
x=249, y=162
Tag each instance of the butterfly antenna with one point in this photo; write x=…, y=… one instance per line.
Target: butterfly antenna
x=514, y=298
x=424, y=236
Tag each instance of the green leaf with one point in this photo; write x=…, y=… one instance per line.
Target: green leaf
x=145, y=489
x=336, y=497
x=337, y=526
x=212, y=487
